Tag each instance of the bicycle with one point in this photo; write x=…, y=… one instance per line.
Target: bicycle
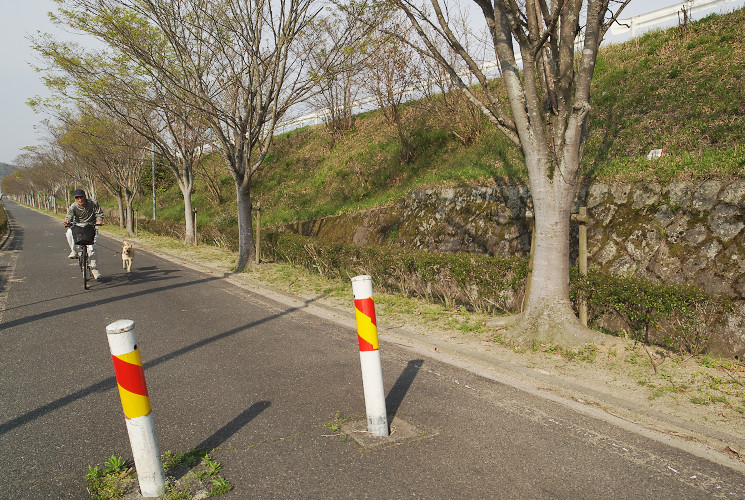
x=84, y=234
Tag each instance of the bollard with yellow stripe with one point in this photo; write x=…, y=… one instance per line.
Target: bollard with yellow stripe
x=367, y=327
x=130, y=379
x=372, y=372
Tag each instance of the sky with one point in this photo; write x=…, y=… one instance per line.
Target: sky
x=19, y=81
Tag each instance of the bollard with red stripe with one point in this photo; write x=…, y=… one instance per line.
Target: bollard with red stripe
x=372, y=372
x=130, y=378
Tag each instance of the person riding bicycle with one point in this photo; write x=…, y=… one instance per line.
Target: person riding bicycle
x=88, y=212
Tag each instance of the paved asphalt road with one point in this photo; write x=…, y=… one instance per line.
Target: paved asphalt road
x=232, y=370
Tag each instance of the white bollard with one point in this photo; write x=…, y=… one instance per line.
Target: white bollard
x=372, y=371
x=130, y=378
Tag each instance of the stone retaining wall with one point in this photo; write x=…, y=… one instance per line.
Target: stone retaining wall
x=684, y=232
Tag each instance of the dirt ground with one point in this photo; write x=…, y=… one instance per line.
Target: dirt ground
x=697, y=398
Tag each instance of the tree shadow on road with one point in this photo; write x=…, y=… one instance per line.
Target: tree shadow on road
x=101, y=301
x=110, y=383
x=109, y=282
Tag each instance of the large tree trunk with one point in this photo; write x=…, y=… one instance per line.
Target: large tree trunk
x=246, y=248
x=549, y=316
x=549, y=104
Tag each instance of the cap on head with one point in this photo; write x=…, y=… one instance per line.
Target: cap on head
x=78, y=192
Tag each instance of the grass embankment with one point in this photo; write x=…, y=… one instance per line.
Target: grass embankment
x=679, y=89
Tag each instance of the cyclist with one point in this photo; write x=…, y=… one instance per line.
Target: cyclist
x=88, y=212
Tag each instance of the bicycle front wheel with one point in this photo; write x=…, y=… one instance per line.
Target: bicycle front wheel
x=84, y=266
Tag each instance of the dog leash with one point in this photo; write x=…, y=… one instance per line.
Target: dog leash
x=101, y=245
x=108, y=248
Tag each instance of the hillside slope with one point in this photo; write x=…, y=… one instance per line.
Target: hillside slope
x=677, y=89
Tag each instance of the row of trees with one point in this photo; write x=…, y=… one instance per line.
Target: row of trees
x=178, y=75
x=89, y=151
x=194, y=79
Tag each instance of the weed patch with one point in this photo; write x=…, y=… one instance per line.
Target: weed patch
x=335, y=424
x=192, y=474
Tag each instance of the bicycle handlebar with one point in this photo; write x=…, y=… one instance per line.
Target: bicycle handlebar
x=82, y=224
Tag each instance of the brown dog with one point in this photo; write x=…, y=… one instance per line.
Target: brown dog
x=128, y=253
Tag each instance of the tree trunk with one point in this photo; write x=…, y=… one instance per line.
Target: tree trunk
x=129, y=200
x=549, y=316
x=188, y=217
x=246, y=248
x=184, y=179
x=120, y=204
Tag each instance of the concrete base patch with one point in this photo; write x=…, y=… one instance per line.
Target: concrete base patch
x=400, y=432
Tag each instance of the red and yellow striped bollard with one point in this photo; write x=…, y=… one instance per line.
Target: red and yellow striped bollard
x=372, y=371
x=130, y=378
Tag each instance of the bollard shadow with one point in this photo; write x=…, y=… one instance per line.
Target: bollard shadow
x=401, y=387
x=226, y=431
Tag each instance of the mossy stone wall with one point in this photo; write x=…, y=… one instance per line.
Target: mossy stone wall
x=685, y=232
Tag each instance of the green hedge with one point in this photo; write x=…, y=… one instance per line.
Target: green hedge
x=226, y=237
x=677, y=316
x=478, y=281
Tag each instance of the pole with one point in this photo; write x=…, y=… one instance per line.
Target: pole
x=583, y=261
x=154, y=215
x=581, y=218
x=196, y=240
x=130, y=378
x=258, y=233
x=529, y=215
x=372, y=372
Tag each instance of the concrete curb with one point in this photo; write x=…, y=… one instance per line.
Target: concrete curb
x=6, y=237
